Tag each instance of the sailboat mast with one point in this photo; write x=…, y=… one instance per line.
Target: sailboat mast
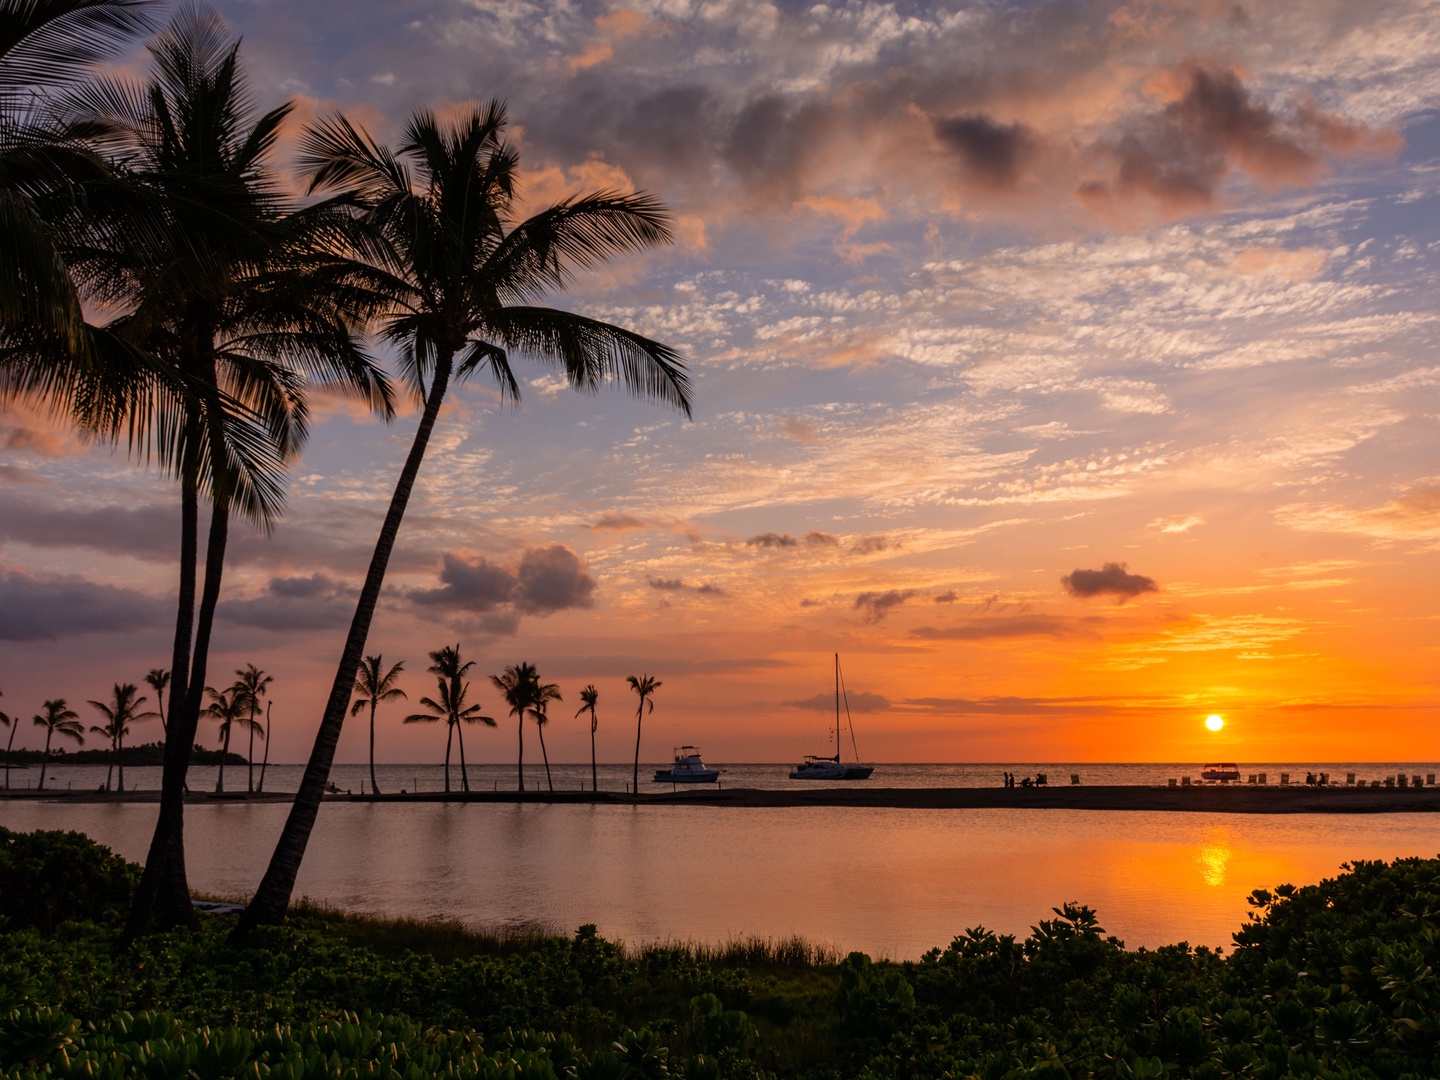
x=837, y=708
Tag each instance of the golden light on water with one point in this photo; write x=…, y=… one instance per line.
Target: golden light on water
x=1214, y=853
x=1214, y=722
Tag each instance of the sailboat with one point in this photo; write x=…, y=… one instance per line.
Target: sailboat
x=820, y=767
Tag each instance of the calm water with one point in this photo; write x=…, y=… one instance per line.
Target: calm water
x=889, y=882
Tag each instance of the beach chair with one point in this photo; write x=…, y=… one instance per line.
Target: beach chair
x=1284, y=779
x=1324, y=779
x=1389, y=781
x=1349, y=779
x=1184, y=781
x=1253, y=779
x=1040, y=779
x=1400, y=781
x=1263, y=777
x=1075, y=779
x=1173, y=781
x=1429, y=779
x=1415, y=781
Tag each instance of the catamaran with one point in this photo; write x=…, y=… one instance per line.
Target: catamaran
x=821, y=767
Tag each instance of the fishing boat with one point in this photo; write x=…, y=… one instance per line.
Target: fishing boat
x=822, y=767
x=687, y=769
x=1224, y=772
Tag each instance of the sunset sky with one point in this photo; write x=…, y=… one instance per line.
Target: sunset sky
x=1069, y=368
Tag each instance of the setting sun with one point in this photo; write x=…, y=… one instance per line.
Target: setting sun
x=1214, y=722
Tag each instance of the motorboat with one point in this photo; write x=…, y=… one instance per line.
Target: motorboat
x=687, y=769
x=823, y=767
x=1224, y=772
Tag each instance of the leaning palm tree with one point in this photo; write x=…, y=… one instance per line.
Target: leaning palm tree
x=231, y=708
x=57, y=719
x=518, y=684
x=120, y=712
x=588, y=697
x=372, y=686
x=451, y=706
x=252, y=683
x=466, y=277
x=159, y=679
x=265, y=761
x=543, y=694
x=220, y=274
x=644, y=685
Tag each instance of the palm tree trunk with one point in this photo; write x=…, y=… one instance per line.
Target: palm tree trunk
x=160, y=705
x=635, y=779
x=224, y=753
x=548, y=782
x=265, y=763
x=272, y=896
x=45, y=761
x=521, y=728
x=449, y=739
x=594, y=782
x=10, y=742
x=120, y=757
x=110, y=767
x=464, y=773
x=250, y=754
x=165, y=861
x=374, y=787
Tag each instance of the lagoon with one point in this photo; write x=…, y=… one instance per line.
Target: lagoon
x=887, y=881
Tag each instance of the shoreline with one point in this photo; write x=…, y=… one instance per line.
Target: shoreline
x=1208, y=799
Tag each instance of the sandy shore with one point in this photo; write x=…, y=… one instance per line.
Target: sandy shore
x=1232, y=799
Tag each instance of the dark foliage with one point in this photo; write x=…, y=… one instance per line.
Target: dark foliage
x=49, y=878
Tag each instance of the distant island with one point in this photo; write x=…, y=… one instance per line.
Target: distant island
x=144, y=754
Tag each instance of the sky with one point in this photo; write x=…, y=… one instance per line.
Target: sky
x=1068, y=368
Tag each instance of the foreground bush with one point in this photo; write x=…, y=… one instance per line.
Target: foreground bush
x=54, y=877
x=1335, y=980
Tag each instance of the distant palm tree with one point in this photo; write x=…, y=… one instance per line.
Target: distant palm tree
x=644, y=685
x=122, y=711
x=265, y=763
x=159, y=679
x=588, y=697
x=451, y=707
x=518, y=684
x=252, y=683
x=57, y=720
x=542, y=695
x=230, y=708
x=8, y=721
x=371, y=688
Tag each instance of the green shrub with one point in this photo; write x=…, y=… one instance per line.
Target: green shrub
x=56, y=877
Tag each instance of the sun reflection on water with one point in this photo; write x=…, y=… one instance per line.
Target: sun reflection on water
x=1214, y=855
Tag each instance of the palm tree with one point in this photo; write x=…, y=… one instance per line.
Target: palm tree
x=644, y=685
x=518, y=685
x=451, y=707
x=543, y=694
x=57, y=720
x=159, y=679
x=8, y=721
x=252, y=683
x=230, y=707
x=265, y=762
x=588, y=697
x=122, y=711
x=371, y=688
x=218, y=274
x=466, y=278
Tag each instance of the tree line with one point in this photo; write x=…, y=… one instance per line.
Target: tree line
x=155, y=201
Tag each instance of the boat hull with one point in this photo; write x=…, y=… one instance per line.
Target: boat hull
x=665, y=776
x=827, y=770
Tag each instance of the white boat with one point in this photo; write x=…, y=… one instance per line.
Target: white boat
x=1224, y=771
x=687, y=769
x=821, y=767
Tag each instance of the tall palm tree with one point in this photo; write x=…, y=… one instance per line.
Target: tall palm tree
x=544, y=693
x=57, y=719
x=451, y=706
x=10, y=722
x=222, y=276
x=466, y=277
x=231, y=708
x=518, y=685
x=159, y=679
x=252, y=683
x=643, y=685
x=372, y=686
x=588, y=697
x=122, y=710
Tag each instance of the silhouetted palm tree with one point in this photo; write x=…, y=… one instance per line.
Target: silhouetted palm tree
x=252, y=684
x=518, y=685
x=231, y=708
x=644, y=685
x=544, y=693
x=466, y=277
x=265, y=762
x=57, y=720
x=10, y=722
x=451, y=707
x=588, y=697
x=159, y=679
x=223, y=277
x=371, y=688
x=122, y=711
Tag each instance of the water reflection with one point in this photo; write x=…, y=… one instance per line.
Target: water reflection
x=889, y=882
